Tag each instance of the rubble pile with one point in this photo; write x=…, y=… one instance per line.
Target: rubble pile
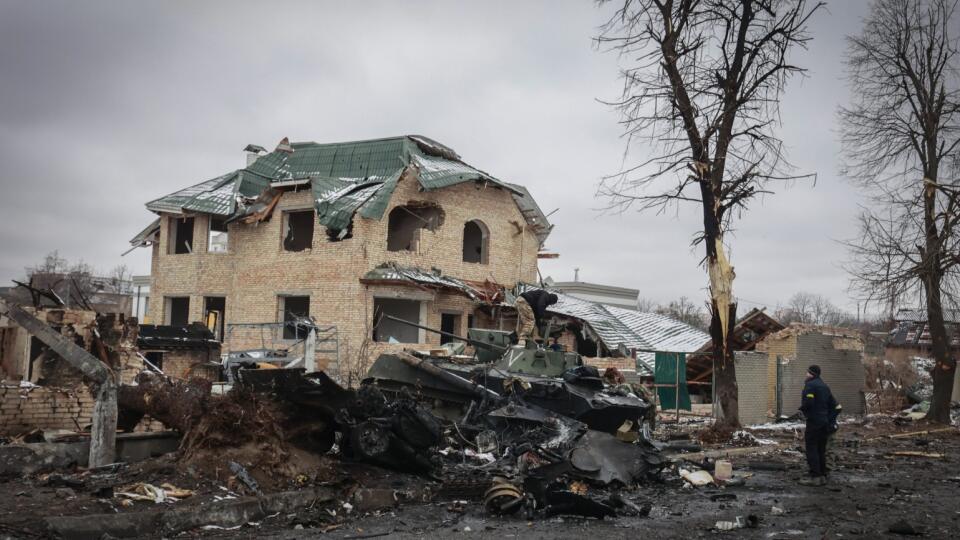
x=502, y=435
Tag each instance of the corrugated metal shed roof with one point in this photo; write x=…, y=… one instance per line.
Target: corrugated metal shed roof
x=632, y=329
x=920, y=315
x=334, y=166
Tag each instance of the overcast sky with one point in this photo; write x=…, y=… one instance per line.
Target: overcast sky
x=106, y=105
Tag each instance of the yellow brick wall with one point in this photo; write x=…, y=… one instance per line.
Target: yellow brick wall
x=47, y=408
x=785, y=347
x=256, y=269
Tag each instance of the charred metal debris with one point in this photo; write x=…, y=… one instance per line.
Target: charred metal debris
x=517, y=429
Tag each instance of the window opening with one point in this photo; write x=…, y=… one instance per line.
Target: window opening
x=407, y=221
x=294, y=307
x=388, y=331
x=298, y=230
x=475, y=242
x=217, y=239
x=181, y=236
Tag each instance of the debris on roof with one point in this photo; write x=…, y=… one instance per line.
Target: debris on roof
x=749, y=331
x=392, y=273
x=800, y=329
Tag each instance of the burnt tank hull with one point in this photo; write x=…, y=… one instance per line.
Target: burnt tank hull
x=598, y=409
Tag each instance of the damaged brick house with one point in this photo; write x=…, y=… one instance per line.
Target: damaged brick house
x=344, y=233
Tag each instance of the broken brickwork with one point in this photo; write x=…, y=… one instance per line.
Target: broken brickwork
x=25, y=408
x=256, y=273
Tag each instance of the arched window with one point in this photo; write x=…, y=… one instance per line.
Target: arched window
x=476, y=242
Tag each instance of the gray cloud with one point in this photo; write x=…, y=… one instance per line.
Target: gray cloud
x=106, y=105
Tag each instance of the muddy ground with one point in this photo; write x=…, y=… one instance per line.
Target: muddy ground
x=870, y=489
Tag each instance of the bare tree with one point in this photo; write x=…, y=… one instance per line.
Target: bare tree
x=809, y=308
x=901, y=139
x=52, y=263
x=685, y=311
x=704, y=94
x=120, y=280
x=646, y=305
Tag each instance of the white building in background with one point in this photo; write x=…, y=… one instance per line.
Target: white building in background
x=609, y=295
x=141, y=298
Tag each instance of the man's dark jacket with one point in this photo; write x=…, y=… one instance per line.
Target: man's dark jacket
x=818, y=405
x=539, y=300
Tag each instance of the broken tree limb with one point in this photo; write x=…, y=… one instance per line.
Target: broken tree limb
x=909, y=453
x=176, y=404
x=912, y=434
x=104, y=422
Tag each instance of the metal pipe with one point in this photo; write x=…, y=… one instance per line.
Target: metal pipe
x=473, y=342
x=447, y=377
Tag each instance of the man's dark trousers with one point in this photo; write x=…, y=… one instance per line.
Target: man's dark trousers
x=815, y=438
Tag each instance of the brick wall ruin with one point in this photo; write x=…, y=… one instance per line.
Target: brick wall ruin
x=839, y=355
x=24, y=409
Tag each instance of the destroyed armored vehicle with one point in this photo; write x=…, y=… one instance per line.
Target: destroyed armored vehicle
x=556, y=381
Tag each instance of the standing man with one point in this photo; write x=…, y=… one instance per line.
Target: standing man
x=531, y=308
x=819, y=408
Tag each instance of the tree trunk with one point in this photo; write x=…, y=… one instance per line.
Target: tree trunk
x=722, y=315
x=174, y=403
x=724, y=369
x=945, y=365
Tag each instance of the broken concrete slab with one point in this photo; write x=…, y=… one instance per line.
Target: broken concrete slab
x=19, y=460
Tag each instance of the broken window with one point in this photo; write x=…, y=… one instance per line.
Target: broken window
x=177, y=310
x=406, y=222
x=180, y=235
x=449, y=323
x=389, y=331
x=298, y=230
x=217, y=239
x=214, y=308
x=293, y=308
x=155, y=358
x=476, y=240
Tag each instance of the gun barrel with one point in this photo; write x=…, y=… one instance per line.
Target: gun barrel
x=473, y=342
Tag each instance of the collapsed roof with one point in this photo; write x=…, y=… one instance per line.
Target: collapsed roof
x=345, y=178
x=394, y=274
x=617, y=328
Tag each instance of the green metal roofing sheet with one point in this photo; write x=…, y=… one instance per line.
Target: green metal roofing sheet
x=438, y=172
x=377, y=204
x=338, y=168
x=175, y=201
x=335, y=207
x=144, y=237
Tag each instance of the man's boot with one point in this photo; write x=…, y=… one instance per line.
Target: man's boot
x=812, y=481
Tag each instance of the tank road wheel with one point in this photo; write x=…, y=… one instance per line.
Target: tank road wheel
x=369, y=440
